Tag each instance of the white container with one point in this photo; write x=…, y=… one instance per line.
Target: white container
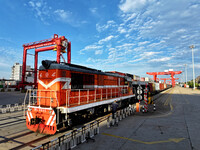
x=157, y=87
x=147, y=79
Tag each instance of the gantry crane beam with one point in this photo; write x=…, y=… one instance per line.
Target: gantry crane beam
x=172, y=73
x=56, y=43
x=156, y=73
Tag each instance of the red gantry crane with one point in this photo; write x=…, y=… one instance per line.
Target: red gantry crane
x=56, y=43
x=168, y=72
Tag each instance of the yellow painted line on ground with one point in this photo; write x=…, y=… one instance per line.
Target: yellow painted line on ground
x=169, y=98
x=171, y=107
x=175, y=140
x=167, y=101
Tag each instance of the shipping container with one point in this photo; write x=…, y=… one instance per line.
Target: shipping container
x=165, y=86
x=152, y=88
x=157, y=87
x=136, y=78
x=147, y=79
x=142, y=79
x=161, y=86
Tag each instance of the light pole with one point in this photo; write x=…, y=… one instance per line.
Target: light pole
x=192, y=47
x=186, y=74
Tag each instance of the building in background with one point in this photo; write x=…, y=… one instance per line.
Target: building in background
x=17, y=73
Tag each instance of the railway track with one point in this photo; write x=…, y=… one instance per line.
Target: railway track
x=15, y=135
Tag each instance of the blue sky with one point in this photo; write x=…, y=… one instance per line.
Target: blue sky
x=133, y=36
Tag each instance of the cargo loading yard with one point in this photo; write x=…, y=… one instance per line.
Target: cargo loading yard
x=169, y=126
x=99, y=75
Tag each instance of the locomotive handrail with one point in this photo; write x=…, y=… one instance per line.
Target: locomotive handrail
x=114, y=92
x=36, y=94
x=91, y=95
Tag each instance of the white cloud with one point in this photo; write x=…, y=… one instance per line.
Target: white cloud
x=129, y=17
x=121, y=30
x=145, y=56
x=161, y=59
x=109, y=24
x=106, y=39
x=93, y=10
x=31, y=3
x=68, y=17
x=143, y=43
x=181, y=30
x=150, y=32
x=42, y=11
x=125, y=45
x=90, y=47
x=98, y=52
x=38, y=4
x=47, y=14
x=63, y=15
x=132, y=5
x=137, y=49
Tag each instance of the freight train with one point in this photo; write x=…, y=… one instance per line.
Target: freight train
x=68, y=92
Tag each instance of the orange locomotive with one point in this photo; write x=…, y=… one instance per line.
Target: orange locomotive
x=68, y=92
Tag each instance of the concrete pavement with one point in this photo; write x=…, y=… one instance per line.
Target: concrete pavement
x=175, y=125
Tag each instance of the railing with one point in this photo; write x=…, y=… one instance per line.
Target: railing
x=35, y=96
x=85, y=96
x=87, y=132
x=11, y=108
x=74, y=97
x=72, y=138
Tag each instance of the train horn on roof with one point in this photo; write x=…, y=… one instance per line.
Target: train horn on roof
x=47, y=63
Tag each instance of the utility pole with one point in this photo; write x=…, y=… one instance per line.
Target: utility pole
x=192, y=47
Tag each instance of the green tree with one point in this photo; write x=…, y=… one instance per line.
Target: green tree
x=190, y=83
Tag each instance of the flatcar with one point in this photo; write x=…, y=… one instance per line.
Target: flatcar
x=68, y=92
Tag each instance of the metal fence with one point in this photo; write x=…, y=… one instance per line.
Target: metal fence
x=73, y=138
x=11, y=108
x=85, y=133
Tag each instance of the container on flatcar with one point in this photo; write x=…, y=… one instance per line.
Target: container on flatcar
x=136, y=78
x=157, y=86
x=161, y=86
x=142, y=79
x=152, y=87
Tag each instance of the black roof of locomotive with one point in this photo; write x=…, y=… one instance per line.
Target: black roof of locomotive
x=77, y=68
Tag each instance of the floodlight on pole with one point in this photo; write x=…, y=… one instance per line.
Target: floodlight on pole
x=192, y=47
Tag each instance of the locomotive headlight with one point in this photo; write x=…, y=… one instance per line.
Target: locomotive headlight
x=65, y=43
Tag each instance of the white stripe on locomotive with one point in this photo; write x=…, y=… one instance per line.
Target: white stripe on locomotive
x=50, y=118
x=53, y=121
